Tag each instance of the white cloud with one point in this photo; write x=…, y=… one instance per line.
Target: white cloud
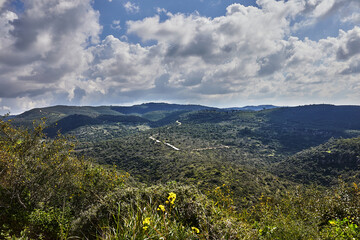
x=353, y=18
x=245, y=55
x=349, y=45
x=131, y=7
x=161, y=10
x=323, y=7
x=40, y=52
x=5, y=108
x=3, y=4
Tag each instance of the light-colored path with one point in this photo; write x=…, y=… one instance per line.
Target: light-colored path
x=210, y=148
x=167, y=144
x=152, y=138
x=173, y=147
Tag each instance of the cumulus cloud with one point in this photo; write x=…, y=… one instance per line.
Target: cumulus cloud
x=250, y=51
x=44, y=47
x=248, y=54
x=352, y=69
x=315, y=11
x=350, y=45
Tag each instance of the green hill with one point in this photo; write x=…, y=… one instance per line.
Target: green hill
x=323, y=164
x=158, y=107
x=75, y=121
x=318, y=116
x=67, y=118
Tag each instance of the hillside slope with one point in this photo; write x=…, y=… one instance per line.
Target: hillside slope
x=323, y=164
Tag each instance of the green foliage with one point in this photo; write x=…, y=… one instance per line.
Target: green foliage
x=323, y=164
x=341, y=229
x=242, y=161
x=307, y=213
x=196, y=163
x=74, y=121
x=42, y=184
x=54, y=223
x=169, y=211
x=47, y=193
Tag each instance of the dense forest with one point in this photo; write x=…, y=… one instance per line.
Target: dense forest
x=168, y=171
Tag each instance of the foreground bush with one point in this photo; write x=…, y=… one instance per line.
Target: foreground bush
x=43, y=186
x=308, y=213
x=170, y=211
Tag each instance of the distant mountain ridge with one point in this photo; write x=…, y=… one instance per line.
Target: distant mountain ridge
x=150, y=107
x=253, y=108
x=309, y=117
x=320, y=116
x=94, y=111
x=63, y=110
x=68, y=118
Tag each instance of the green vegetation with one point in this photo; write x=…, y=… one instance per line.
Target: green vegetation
x=323, y=164
x=195, y=164
x=43, y=186
x=47, y=193
x=158, y=171
x=308, y=213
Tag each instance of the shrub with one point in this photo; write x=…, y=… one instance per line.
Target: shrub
x=153, y=213
x=40, y=177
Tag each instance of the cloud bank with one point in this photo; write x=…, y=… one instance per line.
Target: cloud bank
x=249, y=55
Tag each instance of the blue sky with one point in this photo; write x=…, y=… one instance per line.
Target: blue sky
x=115, y=10
x=213, y=52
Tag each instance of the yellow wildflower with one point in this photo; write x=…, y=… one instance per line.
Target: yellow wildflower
x=171, y=198
x=146, y=221
x=161, y=208
x=195, y=230
x=145, y=227
x=332, y=222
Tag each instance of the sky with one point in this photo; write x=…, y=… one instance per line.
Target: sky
x=220, y=53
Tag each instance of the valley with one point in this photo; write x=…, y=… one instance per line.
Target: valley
x=249, y=154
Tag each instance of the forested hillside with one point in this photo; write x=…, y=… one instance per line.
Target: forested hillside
x=323, y=164
x=181, y=172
